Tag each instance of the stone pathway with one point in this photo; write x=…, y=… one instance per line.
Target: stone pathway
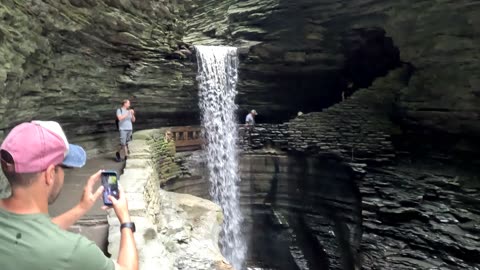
x=94, y=224
x=174, y=231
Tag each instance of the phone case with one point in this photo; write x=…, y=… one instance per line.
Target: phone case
x=110, y=186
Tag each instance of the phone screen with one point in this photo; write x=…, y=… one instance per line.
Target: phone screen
x=110, y=185
x=112, y=179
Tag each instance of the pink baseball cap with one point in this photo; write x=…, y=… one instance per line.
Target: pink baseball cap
x=36, y=145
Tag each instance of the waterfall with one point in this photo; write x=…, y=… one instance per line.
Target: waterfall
x=217, y=77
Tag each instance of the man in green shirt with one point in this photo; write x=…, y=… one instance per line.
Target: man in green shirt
x=33, y=158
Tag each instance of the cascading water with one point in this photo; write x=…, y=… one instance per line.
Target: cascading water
x=217, y=69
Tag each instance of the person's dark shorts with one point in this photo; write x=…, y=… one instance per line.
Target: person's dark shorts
x=125, y=137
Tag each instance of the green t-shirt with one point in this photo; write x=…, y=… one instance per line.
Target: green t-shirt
x=34, y=242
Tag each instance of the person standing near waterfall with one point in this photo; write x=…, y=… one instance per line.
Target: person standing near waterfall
x=249, y=123
x=250, y=119
x=126, y=118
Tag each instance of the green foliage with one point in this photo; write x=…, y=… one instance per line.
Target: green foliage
x=163, y=155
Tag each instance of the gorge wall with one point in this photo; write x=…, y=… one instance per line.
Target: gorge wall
x=416, y=214
x=358, y=129
x=412, y=217
x=298, y=210
x=327, y=46
x=74, y=60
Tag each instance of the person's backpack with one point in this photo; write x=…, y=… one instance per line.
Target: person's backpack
x=116, y=119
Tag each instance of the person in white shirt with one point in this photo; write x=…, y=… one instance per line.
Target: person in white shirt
x=125, y=117
x=250, y=119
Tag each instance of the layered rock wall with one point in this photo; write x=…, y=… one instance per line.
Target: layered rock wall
x=287, y=48
x=410, y=211
x=316, y=197
x=74, y=61
x=419, y=216
x=314, y=202
x=358, y=129
x=307, y=51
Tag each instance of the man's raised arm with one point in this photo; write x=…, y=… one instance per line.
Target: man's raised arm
x=69, y=218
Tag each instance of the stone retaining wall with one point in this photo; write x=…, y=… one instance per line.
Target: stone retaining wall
x=174, y=231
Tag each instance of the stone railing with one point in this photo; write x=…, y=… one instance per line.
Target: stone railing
x=174, y=231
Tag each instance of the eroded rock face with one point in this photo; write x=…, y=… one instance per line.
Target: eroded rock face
x=73, y=61
x=299, y=212
x=419, y=218
x=414, y=216
x=296, y=53
x=316, y=202
x=324, y=41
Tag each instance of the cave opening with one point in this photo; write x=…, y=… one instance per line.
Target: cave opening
x=366, y=54
x=369, y=54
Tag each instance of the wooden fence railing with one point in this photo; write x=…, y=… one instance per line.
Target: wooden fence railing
x=187, y=138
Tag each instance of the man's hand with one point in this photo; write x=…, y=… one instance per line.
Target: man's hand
x=89, y=198
x=132, y=113
x=121, y=206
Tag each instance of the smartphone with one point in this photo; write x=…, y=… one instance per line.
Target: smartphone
x=110, y=186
